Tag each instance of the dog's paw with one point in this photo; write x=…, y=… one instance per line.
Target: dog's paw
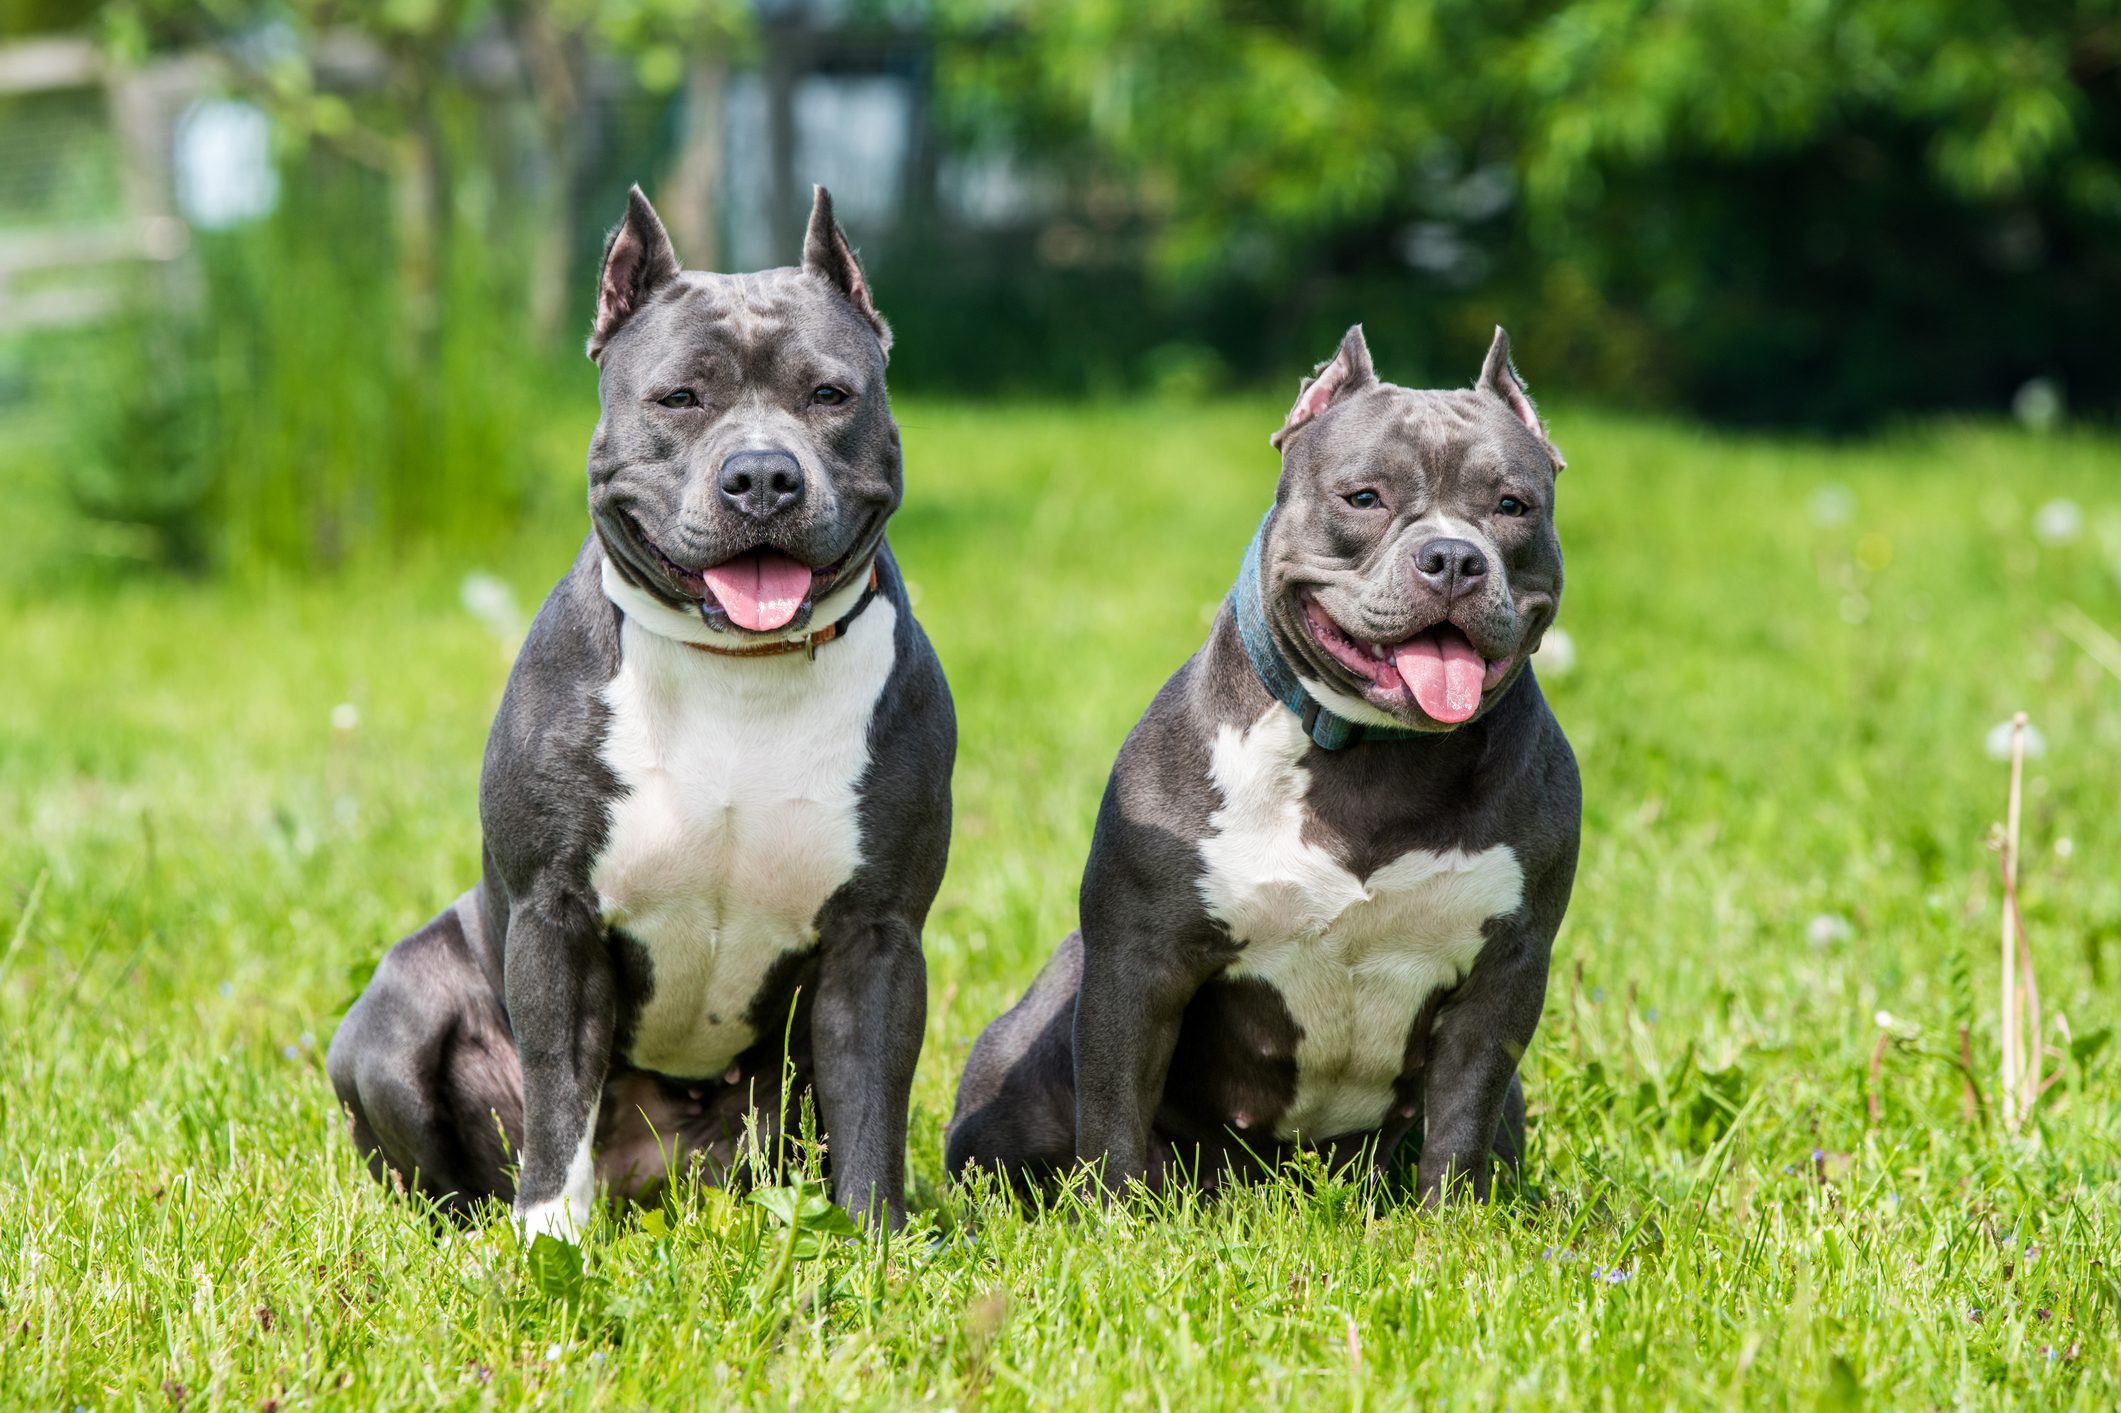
x=561, y=1218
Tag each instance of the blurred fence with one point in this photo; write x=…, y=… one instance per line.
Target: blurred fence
x=86, y=187
x=108, y=163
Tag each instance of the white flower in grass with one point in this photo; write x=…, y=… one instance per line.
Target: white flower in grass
x=2038, y=404
x=345, y=716
x=1827, y=929
x=1557, y=654
x=1998, y=743
x=1833, y=505
x=490, y=600
x=2058, y=522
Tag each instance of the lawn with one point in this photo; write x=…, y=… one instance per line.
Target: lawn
x=220, y=802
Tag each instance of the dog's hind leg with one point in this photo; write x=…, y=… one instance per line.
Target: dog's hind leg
x=427, y=1069
x=1016, y=1103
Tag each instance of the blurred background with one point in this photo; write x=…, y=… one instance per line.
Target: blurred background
x=291, y=280
x=1818, y=297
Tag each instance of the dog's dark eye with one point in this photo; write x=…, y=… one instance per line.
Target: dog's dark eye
x=683, y=397
x=1511, y=505
x=827, y=395
x=1364, y=500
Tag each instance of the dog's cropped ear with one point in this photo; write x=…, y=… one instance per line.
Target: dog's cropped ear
x=1499, y=376
x=637, y=259
x=1347, y=371
x=826, y=252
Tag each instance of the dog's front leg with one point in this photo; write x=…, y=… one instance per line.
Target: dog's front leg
x=1127, y=1017
x=1480, y=1034
x=865, y=1032
x=561, y=1006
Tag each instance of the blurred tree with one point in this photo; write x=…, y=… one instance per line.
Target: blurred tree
x=1267, y=141
x=1786, y=210
x=372, y=81
x=24, y=17
x=420, y=264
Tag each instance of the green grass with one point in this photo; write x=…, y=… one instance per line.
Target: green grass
x=1784, y=835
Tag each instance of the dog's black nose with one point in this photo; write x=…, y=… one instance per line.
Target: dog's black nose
x=761, y=484
x=1453, y=568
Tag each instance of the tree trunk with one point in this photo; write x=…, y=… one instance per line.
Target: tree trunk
x=417, y=239
x=787, y=210
x=422, y=183
x=553, y=68
x=552, y=238
x=690, y=199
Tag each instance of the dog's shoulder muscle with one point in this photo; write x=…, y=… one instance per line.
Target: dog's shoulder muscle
x=1144, y=857
x=544, y=787
x=905, y=787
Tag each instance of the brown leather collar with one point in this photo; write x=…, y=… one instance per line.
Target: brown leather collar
x=808, y=644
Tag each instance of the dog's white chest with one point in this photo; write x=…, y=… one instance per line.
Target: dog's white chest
x=1353, y=959
x=737, y=817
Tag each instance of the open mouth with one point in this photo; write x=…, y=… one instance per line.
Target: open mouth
x=1438, y=668
x=761, y=590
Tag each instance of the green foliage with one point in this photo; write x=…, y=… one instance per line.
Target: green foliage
x=810, y=1225
x=1776, y=212
x=558, y=36
x=20, y=18
x=351, y=376
x=659, y=35
x=290, y=411
x=557, y=1272
x=1788, y=656
x=143, y=454
x=806, y=1214
x=1248, y=124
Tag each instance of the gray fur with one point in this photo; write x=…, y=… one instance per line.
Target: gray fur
x=1136, y=1051
x=510, y=1012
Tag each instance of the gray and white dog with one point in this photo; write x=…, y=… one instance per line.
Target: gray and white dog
x=1333, y=855
x=716, y=798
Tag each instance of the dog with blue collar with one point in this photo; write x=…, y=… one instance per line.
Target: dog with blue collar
x=1333, y=855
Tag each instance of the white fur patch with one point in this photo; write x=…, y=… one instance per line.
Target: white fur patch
x=1353, y=959
x=738, y=820
x=565, y=1217
x=1346, y=706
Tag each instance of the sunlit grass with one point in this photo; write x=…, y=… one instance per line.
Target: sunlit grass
x=1788, y=657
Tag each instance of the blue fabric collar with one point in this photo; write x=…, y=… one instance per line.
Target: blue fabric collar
x=1327, y=731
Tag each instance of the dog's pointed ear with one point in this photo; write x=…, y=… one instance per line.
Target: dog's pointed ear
x=1347, y=371
x=1499, y=376
x=637, y=259
x=826, y=252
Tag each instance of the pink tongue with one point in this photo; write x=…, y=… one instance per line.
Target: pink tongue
x=1444, y=673
x=760, y=591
